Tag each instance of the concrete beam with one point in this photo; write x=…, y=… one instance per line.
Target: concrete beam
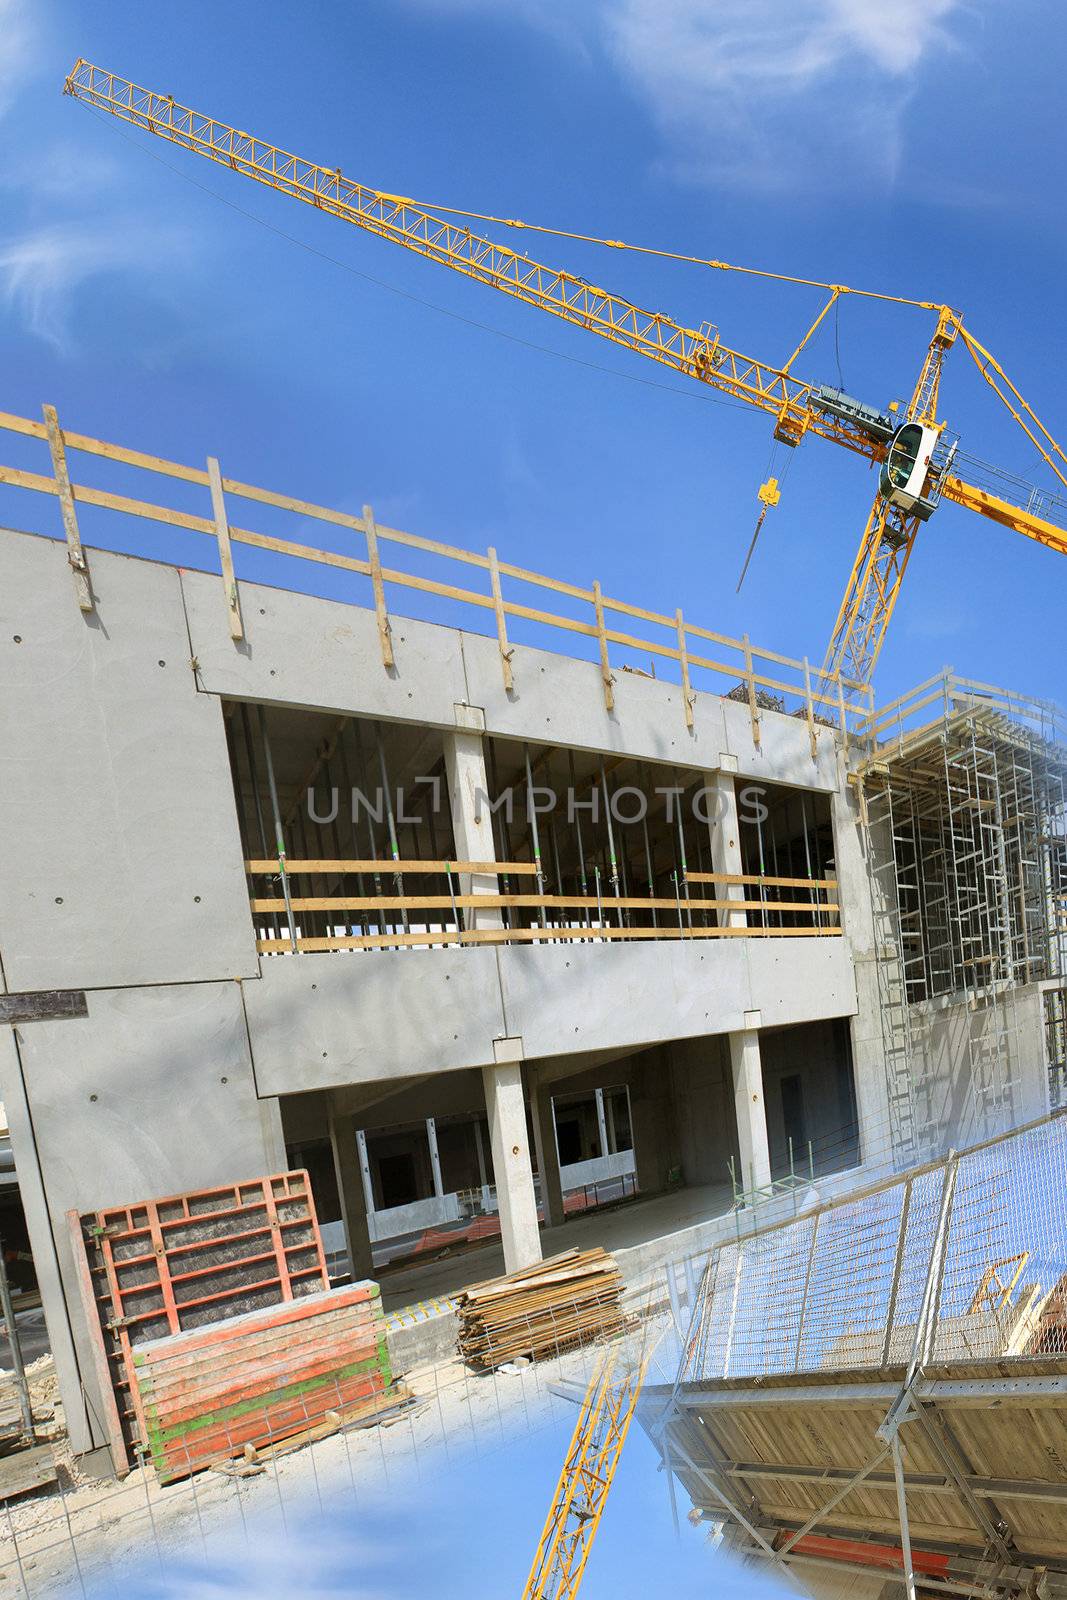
x=512, y=1171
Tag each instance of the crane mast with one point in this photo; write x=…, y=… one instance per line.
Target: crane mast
x=912, y=481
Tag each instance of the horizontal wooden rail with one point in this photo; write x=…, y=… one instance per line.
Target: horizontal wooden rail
x=760, y=880
x=509, y=902
x=681, y=635
x=514, y=868
x=373, y=941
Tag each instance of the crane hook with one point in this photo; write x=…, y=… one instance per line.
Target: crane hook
x=770, y=494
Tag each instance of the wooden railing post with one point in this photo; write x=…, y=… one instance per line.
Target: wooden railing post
x=753, y=708
x=75, y=554
x=385, y=634
x=683, y=661
x=222, y=534
x=605, y=664
x=809, y=710
x=506, y=652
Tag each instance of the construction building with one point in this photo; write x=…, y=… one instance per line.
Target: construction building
x=477, y=931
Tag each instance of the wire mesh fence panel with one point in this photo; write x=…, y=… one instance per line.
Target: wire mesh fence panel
x=963, y=1261
x=1003, y=1287
x=849, y=1291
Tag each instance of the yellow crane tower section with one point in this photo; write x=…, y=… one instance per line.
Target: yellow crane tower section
x=916, y=459
x=585, y=1480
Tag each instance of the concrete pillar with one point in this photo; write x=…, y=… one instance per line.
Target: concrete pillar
x=435, y=1158
x=544, y=1126
x=749, y=1107
x=350, y=1188
x=516, y=1199
x=472, y=825
x=858, y=929
x=725, y=835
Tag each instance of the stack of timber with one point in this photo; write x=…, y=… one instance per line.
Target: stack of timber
x=271, y=1374
x=569, y=1300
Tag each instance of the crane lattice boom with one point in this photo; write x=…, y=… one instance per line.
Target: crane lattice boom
x=797, y=407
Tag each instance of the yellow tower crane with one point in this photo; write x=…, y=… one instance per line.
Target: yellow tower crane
x=586, y=1478
x=917, y=459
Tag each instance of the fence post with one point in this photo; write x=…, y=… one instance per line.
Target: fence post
x=926, y=1326
x=384, y=630
x=810, y=710
x=894, y=1288
x=683, y=661
x=605, y=664
x=753, y=708
x=506, y=652
x=222, y=534
x=807, y=1285
x=75, y=554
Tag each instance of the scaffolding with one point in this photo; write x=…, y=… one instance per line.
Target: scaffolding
x=964, y=791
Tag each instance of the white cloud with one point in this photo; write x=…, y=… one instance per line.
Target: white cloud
x=778, y=94
x=42, y=269
x=17, y=49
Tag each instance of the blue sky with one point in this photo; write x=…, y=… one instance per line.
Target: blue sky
x=915, y=148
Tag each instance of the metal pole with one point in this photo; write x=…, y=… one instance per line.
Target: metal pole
x=398, y=880
x=611, y=841
x=534, y=834
x=902, y=1512
x=279, y=837
x=582, y=879
x=253, y=778
x=16, y=1349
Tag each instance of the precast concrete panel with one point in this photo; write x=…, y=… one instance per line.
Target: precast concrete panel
x=784, y=751
x=799, y=980
x=559, y=700
x=120, y=856
x=325, y=1020
x=304, y=651
x=151, y=1094
x=582, y=997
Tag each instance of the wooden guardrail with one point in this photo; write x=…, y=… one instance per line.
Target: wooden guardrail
x=783, y=908
x=755, y=673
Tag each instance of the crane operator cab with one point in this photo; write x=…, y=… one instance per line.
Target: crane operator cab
x=914, y=469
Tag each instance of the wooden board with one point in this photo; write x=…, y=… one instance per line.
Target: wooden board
x=256, y=1379
x=567, y=1300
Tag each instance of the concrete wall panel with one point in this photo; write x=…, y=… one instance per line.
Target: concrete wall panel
x=151, y=1094
x=799, y=980
x=322, y=1021
x=120, y=859
x=301, y=650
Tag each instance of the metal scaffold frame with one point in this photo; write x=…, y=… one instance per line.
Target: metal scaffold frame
x=965, y=819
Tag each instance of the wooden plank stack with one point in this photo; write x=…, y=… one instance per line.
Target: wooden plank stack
x=280, y=1371
x=569, y=1300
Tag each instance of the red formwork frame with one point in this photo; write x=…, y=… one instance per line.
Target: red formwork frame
x=130, y=1260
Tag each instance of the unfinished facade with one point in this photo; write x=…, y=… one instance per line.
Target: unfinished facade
x=479, y=933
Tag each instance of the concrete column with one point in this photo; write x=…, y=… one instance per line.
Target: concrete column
x=435, y=1157
x=516, y=1199
x=471, y=824
x=725, y=837
x=347, y=1166
x=544, y=1126
x=858, y=929
x=749, y=1107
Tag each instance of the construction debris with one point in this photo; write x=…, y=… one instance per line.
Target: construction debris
x=568, y=1300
